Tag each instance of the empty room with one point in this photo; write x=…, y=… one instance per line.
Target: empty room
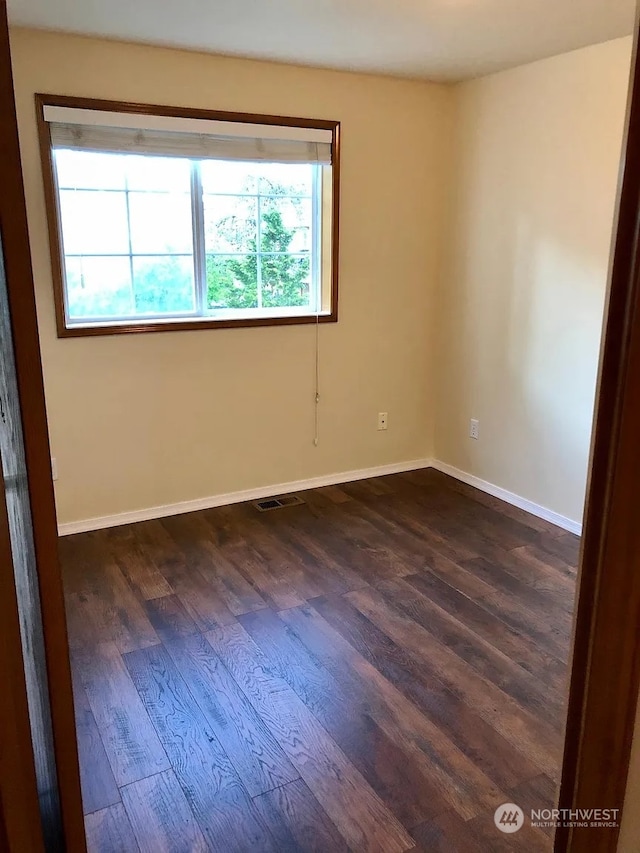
x=320, y=292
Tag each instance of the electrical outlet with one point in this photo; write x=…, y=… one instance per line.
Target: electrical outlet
x=474, y=428
x=383, y=418
x=54, y=468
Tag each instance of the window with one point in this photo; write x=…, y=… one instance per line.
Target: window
x=161, y=221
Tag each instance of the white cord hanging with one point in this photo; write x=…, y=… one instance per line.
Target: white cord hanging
x=316, y=435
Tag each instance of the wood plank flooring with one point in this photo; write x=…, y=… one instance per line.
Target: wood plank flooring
x=375, y=670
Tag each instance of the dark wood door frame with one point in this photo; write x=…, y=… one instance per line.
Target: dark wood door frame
x=606, y=660
x=21, y=828
x=22, y=309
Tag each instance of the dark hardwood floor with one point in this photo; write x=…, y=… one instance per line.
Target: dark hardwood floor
x=375, y=670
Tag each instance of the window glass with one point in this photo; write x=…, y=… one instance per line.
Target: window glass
x=219, y=176
x=160, y=223
x=145, y=236
x=267, y=223
x=128, y=248
x=285, y=224
x=89, y=170
x=157, y=174
x=232, y=281
x=94, y=222
x=230, y=223
x=163, y=284
x=99, y=287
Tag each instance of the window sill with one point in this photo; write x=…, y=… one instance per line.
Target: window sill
x=78, y=330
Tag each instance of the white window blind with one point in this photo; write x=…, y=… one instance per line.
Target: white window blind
x=171, y=136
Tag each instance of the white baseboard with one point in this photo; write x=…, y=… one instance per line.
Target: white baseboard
x=314, y=483
x=238, y=497
x=509, y=497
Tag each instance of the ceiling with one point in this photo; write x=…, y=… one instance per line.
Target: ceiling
x=431, y=39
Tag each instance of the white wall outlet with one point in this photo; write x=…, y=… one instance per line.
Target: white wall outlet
x=383, y=419
x=474, y=428
x=54, y=468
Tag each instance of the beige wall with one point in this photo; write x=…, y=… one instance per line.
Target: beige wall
x=537, y=152
x=143, y=420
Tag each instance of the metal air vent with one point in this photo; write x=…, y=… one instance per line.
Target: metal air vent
x=277, y=503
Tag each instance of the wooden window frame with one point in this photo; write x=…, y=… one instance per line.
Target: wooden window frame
x=66, y=330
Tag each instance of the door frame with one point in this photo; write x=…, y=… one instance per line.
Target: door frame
x=605, y=667
x=602, y=697
x=22, y=310
x=20, y=828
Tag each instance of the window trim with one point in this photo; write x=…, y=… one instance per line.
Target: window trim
x=171, y=324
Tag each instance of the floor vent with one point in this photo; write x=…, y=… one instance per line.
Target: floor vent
x=277, y=503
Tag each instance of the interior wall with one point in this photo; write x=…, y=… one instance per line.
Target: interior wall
x=537, y=152
x=138, y=421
